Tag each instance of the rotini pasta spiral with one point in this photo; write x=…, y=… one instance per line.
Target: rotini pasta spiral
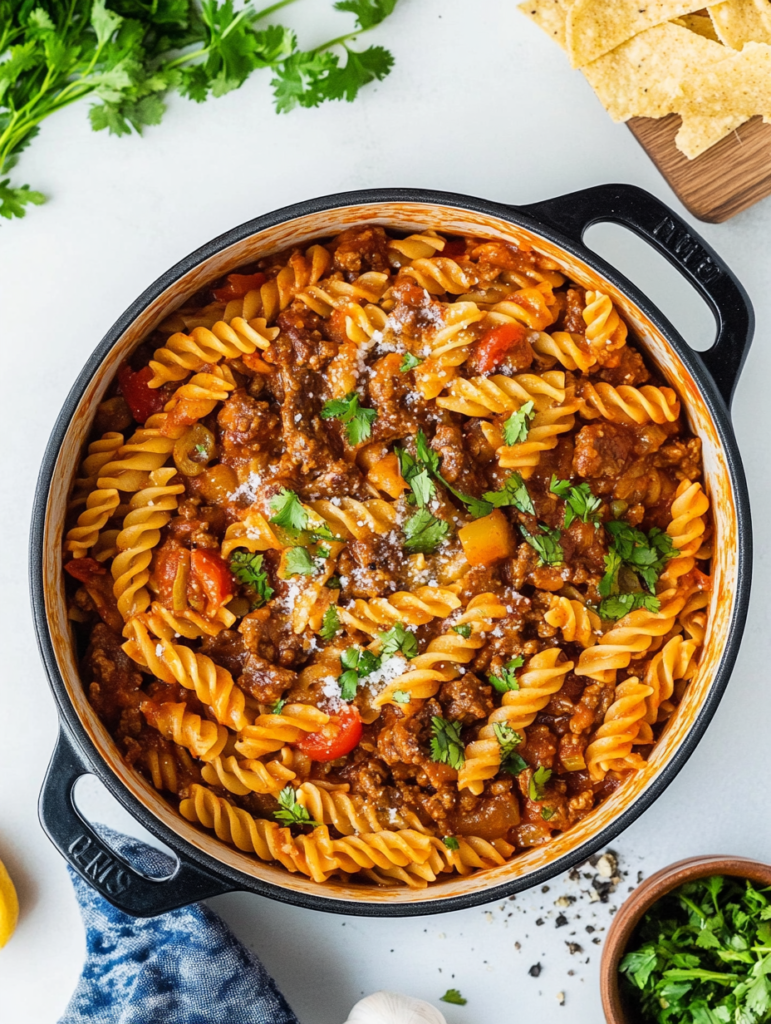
x=631, y=635
x=414, y=247
x=175, y=723
x=688, y=510
x=526, y=306
x=150, y=511
x=271, y=732
x=440, y=274
x=605, y=330
x=611, y=745
x=338, y=293
x=412, y=608
x=693, y=617
x=629, y=405
x=347, y=517
x=578, y=623
x=184, y=354
x=571, y=350
x=246, y=776
x=492, y=396
x=100, y=507
x=436, y=664
x=450, y=347
x=99, y=454
x=349, y=813
x=542, y=436
x=253, y=533
x=213, y=684
x=674, y=661
x=539, y=680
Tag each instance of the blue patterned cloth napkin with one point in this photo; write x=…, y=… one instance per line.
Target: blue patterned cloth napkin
x=184, y=967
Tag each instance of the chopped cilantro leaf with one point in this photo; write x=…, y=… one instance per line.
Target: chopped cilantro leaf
x=278, y=706
x=452, y=995
x=298, y=562
x=538, y=781
x=508, y=740
x=368, y=12
x=424, y=532
x=547, y=547
x=547, y=813
x=464, y=629
x=446, y=744
x=349, y=684
x=401, y=696
x=426, y=454
x=559, y=487
x=516, y=427
x=451, y=842
x=507, y=680
x=514, y=492
x=330, y=624
x=291, y=811
x=358, y=422
x=409, y=362
x=350, y=657
x=247, y=569
x=289, y=512
x=368, y=663
x=644, y=554
x=417, y=476
x=581, y=503
x=619, y=605
x=333, y=583
x=399, y=639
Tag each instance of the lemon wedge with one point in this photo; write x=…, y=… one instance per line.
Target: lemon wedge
x=9, y=906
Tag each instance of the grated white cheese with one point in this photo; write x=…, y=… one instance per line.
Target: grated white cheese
x=388, y=671
x=248, y=489
x=159, y=650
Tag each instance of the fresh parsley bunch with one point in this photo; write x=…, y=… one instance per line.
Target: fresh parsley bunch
x=126, y=55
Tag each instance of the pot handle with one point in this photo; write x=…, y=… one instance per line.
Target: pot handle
x=114, y=878
x=648, y=217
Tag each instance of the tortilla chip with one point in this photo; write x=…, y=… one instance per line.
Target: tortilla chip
x=550, y=15
x=701, y=24
x=717, y=99
x=595, y=27
x=642, y=77
x=742, y=21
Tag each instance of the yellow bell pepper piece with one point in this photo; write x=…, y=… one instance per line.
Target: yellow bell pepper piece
x=9, y=906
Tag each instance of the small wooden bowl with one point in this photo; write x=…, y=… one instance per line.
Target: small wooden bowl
x=641, y=900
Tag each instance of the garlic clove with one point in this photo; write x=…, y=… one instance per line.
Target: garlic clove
x=394, y=1008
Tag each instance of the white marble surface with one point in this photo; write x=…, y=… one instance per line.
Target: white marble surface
x=481, y=103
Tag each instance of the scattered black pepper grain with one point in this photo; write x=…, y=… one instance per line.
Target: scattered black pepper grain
x=561, y=921
x=590, y=928
x=573, y=947
x=596, y=940
x=534, y=971
x=544, y=888
x=539, y=921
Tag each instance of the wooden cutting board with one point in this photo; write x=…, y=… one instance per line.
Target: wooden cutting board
x=729, y=177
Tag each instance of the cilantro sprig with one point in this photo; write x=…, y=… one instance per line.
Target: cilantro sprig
x=641, y=558
x=358, y=664
x=546, y=544
x=514, y=492
x=127, y=58
x=409, y=362
x=300, y=562
x=446, y=744
x=580, y=501
x=507, y=680
x=516, y=427
x=423, y=532
x=398, y=640
x=291, y=812
x=289, y=511
x=330, y=624
x=247, y=569
x=452, y=995
x=421, y=471
x=357, y=421
x=702, y=954
x=508, y=740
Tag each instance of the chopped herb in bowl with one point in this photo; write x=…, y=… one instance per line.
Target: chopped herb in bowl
x=702, y=955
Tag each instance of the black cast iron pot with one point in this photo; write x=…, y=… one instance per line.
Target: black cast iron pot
x=705, y=383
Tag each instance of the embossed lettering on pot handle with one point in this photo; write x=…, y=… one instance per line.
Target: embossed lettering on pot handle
x=638, y=210
x=83, y=849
